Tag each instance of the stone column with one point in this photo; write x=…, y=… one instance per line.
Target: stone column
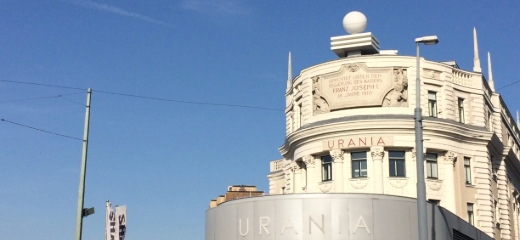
x=298, y=181
x=449, y=181
x=378, y=153
x=312, y=181
x=503, y=200
x=337, y=169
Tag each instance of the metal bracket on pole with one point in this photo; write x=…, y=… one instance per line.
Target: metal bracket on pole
x=88, y=211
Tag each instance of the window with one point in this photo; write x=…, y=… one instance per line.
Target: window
x=359, y=164
x=326, y=168
x=467, y=169
x=431, y=165
x=470, y=213
x=397, y=168
x=461, y=110
x=432, y=104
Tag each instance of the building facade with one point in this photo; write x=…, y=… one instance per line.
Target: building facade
x=350, y=129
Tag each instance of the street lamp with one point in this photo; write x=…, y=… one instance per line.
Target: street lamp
x=419, y=155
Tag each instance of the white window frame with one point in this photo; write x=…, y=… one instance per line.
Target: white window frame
x=361, y=172
x=432, y=104
x=467, y=170
x=471, y=213
x=462, y=118
x=432, y=168
x=326, y=168
x=394, y=161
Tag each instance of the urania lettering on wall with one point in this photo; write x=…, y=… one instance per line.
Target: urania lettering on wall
x=358, y=141
x=310, y=226
x=356, y=85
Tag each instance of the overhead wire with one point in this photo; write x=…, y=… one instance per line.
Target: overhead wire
x=70, y=100
x=41, y=84
x=149, y=98
x=508, y=85
x=36, y=98
x=187, y=102
x=41, y=130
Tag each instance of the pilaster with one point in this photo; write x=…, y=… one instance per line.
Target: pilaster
x=337, y=169
x=503, y=201
x=288, y=175
x=298, y=181
x=312, y=181
x=483, y=198
x=450, y=158
x=377, y=154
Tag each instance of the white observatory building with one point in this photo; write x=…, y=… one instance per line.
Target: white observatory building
x=348, y=166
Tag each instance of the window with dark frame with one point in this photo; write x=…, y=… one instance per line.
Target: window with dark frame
x=431, y=165
x=467, y=169
x=397, y=164
x=359, y=164
x=461, y=110
x=470, y=214
x=326, y=168
x=432, y=103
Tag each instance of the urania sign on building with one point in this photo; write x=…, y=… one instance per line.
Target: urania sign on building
x=329, y=216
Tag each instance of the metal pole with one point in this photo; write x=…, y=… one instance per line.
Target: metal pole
x=419, y=155
x=81, y=191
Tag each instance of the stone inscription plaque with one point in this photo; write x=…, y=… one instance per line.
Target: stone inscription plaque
x=355, y=85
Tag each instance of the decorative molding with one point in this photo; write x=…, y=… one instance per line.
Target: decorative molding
x=337, y=155
x=319, y=101
x=325, y=187
x=414, y=152
x=353, y=67
x=358, y=183
x=398, y=182
x=398, y=96
x=309, y=160
x=288, y=185
x=377, y=152
x=450, y=157
x=434, y=184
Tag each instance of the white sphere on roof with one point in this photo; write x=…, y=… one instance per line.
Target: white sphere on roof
x=355, y=22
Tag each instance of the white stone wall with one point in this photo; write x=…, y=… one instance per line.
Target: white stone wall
x=492, y=179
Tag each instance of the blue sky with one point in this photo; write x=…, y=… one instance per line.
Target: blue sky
x=167, y=160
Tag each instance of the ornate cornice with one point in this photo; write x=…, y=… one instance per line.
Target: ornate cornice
x=384, y=124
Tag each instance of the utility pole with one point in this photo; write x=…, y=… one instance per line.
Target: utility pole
x=81, y=193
